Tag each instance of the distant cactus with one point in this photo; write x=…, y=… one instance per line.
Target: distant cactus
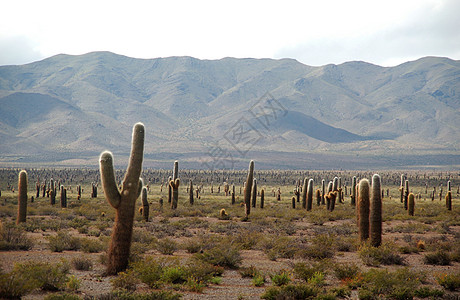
x=339, y=195
x=190, y=197
x=262, y=198
x=124, y=202
x=363, y=206
x=248, y=189
x=411, y=204
x=449, y=200
x=52, y=192
x=449, y=187
x=304, y=193
x=401, y=188
x=145, y=204
x=310, y=194
x=22, y=197
x=353, y=191
x=174, y=184
x=375, y=218
x=406, y=193
x=169, y=190
x=333, y=198
x=254, y=192
x=323, y=191
x=293, y=202
x=318, y=197
x=335, y=184
x=37, y=187
x=63, y=197
x=233, y=194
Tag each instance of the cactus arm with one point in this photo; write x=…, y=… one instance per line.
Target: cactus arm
x=133, y=173
x=140, y=186
x=108, y=179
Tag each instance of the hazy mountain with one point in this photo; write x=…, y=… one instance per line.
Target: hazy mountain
x=67, y=109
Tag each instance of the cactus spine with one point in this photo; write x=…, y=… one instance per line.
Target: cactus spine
x=304, y=193
x=254, y=193
x=375, y=218
x=248, y=188
x=145, y=204
x=174, y=184
x=310, y=194
x=124, y=202
x=411, y=204
x=363, y=206
x=22, y=197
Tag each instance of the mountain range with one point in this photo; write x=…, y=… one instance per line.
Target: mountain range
x=65, y=110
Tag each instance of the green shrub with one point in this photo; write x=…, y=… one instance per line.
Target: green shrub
x=426, y=291
x=62, y=296
x=224, y=255
x=73, y=283
x=125, y=281
x=192, y=246
x=317, y=279
x=346, y=271
x=82, y=264
x=440, y=258
x=13, y=238
x=149, y=271
x=91, y=245
x=305, y=272
x=63, y=241
x=194, y=285
x=166, y=246
x=43, y=275
x=258, y=280
x=280, y=278
x=321, y=246
x=375, y=256
x=174, y=275
x=450, y=282
x=291, y=292
x=248, y=272
x=13, y=285
x=128, y=295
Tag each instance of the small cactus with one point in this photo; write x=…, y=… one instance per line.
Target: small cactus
x=145, y=204
x=363, y=206
x=449, y=200
x=248, y=189
x=254, y=193
x=375, y=218
x=174, y=184
x=293, y=202
x=310, y=194
x=406, y=193
x=323, y=191
x=262, y=198
x=353, y=191
x=318, y=197
x=304, y=193
x=22, y=197
x=191, y=193
x=411, y=204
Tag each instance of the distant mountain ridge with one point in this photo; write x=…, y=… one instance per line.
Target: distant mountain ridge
x=67, y=109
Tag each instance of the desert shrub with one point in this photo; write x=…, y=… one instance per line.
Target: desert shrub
x=321, y=247
x=202, y=271
x=345, y=272
x=192, y=246
x=450, y=282
x=149, y=271
x=166, y=246
x=63, y=241
x=13, y=238
x=258, y=280
x=14, y=286
x=248, y=272
x=44, y=276
x=62, y=296
x=128, y=295
x=73, y=283
x=91, y=245
x=426, y=291
x=375, y=256
x=440, y=258
x=223, y=254
x=306, y=271
x=280, y=278
x=194, y=285
x=290, y=291
x=279, y=247
x=174, y=275
x=125, y=281
x=82, y=264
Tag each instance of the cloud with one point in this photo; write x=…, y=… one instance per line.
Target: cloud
x=16, y=50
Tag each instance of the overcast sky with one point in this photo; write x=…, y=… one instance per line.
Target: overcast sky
x=315, y=33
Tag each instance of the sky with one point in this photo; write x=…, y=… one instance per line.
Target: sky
x=315, y=33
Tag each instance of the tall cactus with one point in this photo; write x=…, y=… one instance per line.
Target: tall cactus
x=262, y=198
x=335, y=184
x=174, y=183
x=254, y=193
x=375, y=218
x=401, y=187
x=310, y=194
x=124, y=202
x=63, y=197
x=22, y=197
x=233, y=194
x=363, y=206
x=318, y=197
x=449, y=200
x=169, y=190
x=353, y=191
x=304, y=193
x=411, y=204
x=145, y=204
x=323, y=191
x=406, y=193
x=248, y=189
x=190, y=197
x=52, y=192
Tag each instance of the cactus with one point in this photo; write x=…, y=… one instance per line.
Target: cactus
x=304, y=193
x=353, y=191
x=191, y=193
x=145, y=204
x=248, y=189
x=124, y=202
x=254, y=193
x=449, y=187
x=375, y=218
x=363, y=207
x=169, y=190
x=310, y=194
x=332, y=197
x=411, y=204
x=323, y=191
x=262, y=198
x=63, y=197
x=401, y=188
x=293, y=202
x=233, y=194
x=406, y=193
x=52, y=192
x=37, y=187
x=339, y=195
x=22, y=197
x=318, y=197
x=335, y=184
x=449, y=200
x=174, y=184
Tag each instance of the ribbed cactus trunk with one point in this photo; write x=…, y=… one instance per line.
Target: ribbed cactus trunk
x=254, y=193
x=323, y=191
x=335, y=184
x=37, y=187
x=248, y=189
x=401, y=188
x=145, y=204
x=262, y=198
x=169, y=190
x=22, y=197
x=318, y=197
x=411, y=204
x=174, y=183
x=375, y=218
x=191, y=193
x=63, y=197
x=124, y=202
x=52, y=192
x=233, y=194
x=363, y=204
x=449, y=187
x=353, y=191
x=310, y=194
x=449, y=200
x=304, y=193
x=406, y=193
x=333, y=198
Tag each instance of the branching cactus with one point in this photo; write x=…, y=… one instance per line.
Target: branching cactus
x=375, y=218
x=304, y=193
x=363, y=206
x=411, y=204
x=310, y=194
x=22, y=197
x=124, y=202
x=248, y=189
x=174, y=183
